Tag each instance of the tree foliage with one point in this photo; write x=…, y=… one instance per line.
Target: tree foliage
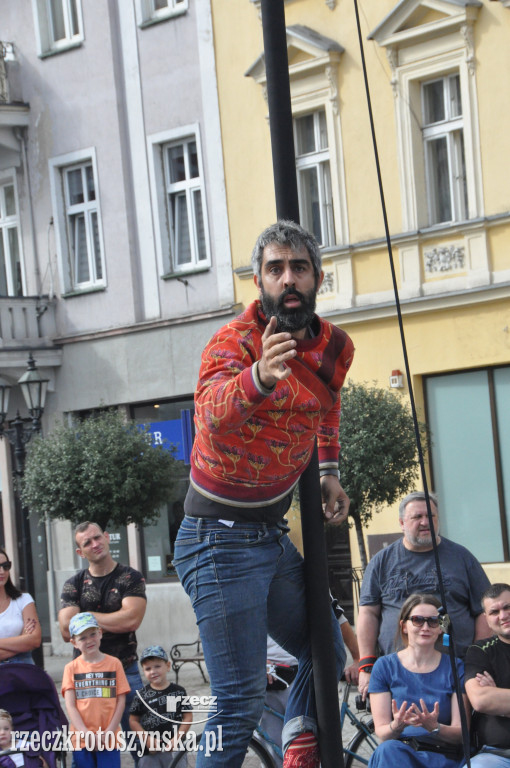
x=378, y=457
x=104, y=469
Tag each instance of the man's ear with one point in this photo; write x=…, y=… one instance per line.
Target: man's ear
x=320, y=279
x=257, y=284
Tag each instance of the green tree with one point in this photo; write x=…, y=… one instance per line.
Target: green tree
x=103, y=469
x=378, y=457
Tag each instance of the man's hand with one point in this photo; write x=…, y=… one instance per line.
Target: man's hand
x=485, y=679
x=335, y=502
x=276, y=349
x=363, y=681
x=351, y=673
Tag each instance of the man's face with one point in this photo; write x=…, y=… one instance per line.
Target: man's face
x=93, y=544
x=415, y=525
x=497, y=613
x=288, y=287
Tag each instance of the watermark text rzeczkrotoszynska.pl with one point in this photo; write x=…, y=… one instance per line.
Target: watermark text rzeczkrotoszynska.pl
x=107, y=741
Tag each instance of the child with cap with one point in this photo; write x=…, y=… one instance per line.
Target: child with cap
x=150, y=715
x=94, y=688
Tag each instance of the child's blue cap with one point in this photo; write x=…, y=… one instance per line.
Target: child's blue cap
x=81, y=622
x=154, y=652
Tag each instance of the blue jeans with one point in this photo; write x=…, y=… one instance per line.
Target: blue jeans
x=104, y=759
x=244, y=582
x=135, y=683
x=486, y=759
x=24, y=656
x=394, y=753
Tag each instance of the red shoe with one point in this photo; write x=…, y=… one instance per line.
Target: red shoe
x=303, y=752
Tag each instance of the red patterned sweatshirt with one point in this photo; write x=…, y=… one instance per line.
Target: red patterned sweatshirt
x=252, y=444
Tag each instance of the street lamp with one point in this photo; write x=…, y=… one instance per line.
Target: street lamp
x=19, y=432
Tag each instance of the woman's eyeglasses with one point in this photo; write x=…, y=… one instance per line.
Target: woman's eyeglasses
x=6, y=566
x=419, y=621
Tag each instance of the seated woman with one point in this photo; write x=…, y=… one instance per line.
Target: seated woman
x=412, y=695
x=20, y=630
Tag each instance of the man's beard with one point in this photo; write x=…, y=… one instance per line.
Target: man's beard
x=290, y=318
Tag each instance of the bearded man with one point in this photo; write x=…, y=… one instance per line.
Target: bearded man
x=408, y=566
x=269, y=384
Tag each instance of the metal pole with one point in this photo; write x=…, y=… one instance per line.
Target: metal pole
x=316, y=573
x=27, y=579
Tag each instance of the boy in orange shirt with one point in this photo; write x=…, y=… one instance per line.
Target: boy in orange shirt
x=94, y=688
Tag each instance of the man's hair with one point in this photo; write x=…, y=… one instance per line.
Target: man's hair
x=4, y=715
x=291, y=234
x=415, y=496
x=81, y=527
x=494, y=591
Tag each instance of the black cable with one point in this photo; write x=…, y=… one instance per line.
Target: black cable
x=465, y=730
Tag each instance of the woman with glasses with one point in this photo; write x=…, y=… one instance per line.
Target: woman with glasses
x=20, y=630
x=412, y=695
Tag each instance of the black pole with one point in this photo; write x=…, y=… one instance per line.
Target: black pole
x=319, y=617
x=280, y=110
x=316, y=572
x=27, y=578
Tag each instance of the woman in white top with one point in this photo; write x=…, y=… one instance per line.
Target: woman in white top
x=20, y=630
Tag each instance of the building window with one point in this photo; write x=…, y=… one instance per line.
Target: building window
x=151, y=11
x=314, y=176
x=59, y=25
x=11, y=276
x=469, y=420
x=83, y=225
x=433, y=68
x=185, y=205
x=443, y=136
x=78, y=222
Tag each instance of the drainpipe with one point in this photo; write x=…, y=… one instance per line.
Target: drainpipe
x=21, y=136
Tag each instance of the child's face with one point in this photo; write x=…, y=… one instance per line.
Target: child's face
x=5, y=733
x=155, y=670
x=87, y=642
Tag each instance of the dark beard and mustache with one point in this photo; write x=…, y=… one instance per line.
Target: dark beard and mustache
x=290, y=318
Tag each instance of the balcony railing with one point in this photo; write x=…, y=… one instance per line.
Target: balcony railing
x=26, y=321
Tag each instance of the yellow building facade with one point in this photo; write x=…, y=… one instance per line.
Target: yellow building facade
x=439, y=76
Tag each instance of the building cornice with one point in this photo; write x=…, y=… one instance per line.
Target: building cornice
x=151, y=325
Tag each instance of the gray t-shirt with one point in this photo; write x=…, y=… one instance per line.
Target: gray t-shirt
x=395, y=572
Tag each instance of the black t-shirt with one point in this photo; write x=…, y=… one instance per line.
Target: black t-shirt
x=492, y=656
x=151, y=706
x=105, y=594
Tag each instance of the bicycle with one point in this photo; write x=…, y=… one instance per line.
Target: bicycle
x=264, y=753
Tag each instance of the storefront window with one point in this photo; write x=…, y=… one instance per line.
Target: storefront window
x=170, y=423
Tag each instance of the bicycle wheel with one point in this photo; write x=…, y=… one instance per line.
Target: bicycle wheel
x=256, y=757
x=361, y=746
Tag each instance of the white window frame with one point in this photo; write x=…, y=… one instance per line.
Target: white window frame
x=161, y=188
x=46, y=44
x=412, y=165
x=62, y=210
x=319, y=160
x=451, y=130
x=8, y=178
x=147, y=13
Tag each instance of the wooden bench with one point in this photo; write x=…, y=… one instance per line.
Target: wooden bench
x=187, y=653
